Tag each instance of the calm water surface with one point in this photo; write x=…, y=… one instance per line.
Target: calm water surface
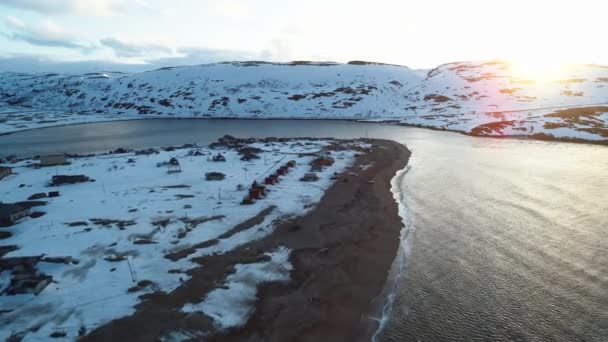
x=507, y=240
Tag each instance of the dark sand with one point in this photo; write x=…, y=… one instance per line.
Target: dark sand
x=342, y=252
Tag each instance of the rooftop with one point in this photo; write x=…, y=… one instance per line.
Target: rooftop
x=7, y=209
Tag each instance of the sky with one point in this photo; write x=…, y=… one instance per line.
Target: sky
x=79, y=35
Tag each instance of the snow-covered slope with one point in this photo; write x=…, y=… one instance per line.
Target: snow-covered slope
x=476, y=98
x=258, y=90
x=491, y=99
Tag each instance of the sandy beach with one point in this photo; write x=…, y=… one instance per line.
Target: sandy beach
x=341, y=254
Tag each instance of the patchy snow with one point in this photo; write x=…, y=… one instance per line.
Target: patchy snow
x=456, y=96
x=155, y=210
x=232, y=305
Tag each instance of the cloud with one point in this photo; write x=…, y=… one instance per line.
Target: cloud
x=124, y=48
x=89, y=7
x=43, y=64
x=45, y=33
x=277, y=50
x=199, y=55
x=29, y=63
x=196, y=55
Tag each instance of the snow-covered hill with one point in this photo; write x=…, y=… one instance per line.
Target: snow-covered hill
x=476, y=98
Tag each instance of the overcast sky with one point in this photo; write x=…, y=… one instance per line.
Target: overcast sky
x=44, y=34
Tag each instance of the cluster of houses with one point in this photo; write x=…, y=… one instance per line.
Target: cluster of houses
x=258, y=191
x=24, y=275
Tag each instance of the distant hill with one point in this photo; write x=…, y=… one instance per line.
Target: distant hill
x=475, y=98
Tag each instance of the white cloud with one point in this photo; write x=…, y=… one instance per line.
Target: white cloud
x=79, y=7
x=45, y=33
x=124, y=48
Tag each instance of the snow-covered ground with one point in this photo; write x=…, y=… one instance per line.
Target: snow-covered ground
x=482, y=98
x=156, y=214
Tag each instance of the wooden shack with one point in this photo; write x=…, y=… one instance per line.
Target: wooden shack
x=214, y=176
x=68, y=179
x=174, y=166
x=219, y=158
x=11, y=213
x=5, y=172
x=53, y=160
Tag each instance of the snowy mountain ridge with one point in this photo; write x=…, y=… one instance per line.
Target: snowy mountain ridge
x=481, y=98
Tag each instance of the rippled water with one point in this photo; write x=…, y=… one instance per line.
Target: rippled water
x=507, y=239
x=509, y=242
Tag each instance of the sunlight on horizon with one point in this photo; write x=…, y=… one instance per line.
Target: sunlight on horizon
x=541, y=70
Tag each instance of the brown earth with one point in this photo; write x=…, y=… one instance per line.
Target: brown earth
x=341, y=253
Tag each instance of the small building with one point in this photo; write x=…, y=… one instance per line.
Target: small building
x=310, y=177
x=271, y=180
x=11, y=213
x=247, y=200
x=53, y=193
x=319, y=163
x=219, y=158
x=28, y=283
x=5, y=171
x=258, y=186
x=174, y=166
x=247, y=156
x=20, y=264
x=256, y=193
x=68, y=179
x=53, y=160
x=37, y=196
x=214, y=176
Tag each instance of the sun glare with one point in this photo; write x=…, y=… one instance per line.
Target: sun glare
x=538, y=69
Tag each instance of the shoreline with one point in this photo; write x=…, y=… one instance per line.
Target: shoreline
x=342, y=252
x=339, y=269
x=386, y=121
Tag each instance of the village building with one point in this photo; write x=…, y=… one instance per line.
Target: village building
x=320, y=163
x=25, y=278
x=53, y=160
x=28, y=283
x=5, y=172
x=37, y=196
x=271, y=180
x=247, y=156
x=174, y=166
x=11, y=213
x=214, y=176
x=68, y=179
x=219, y=158
x=310, y=177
